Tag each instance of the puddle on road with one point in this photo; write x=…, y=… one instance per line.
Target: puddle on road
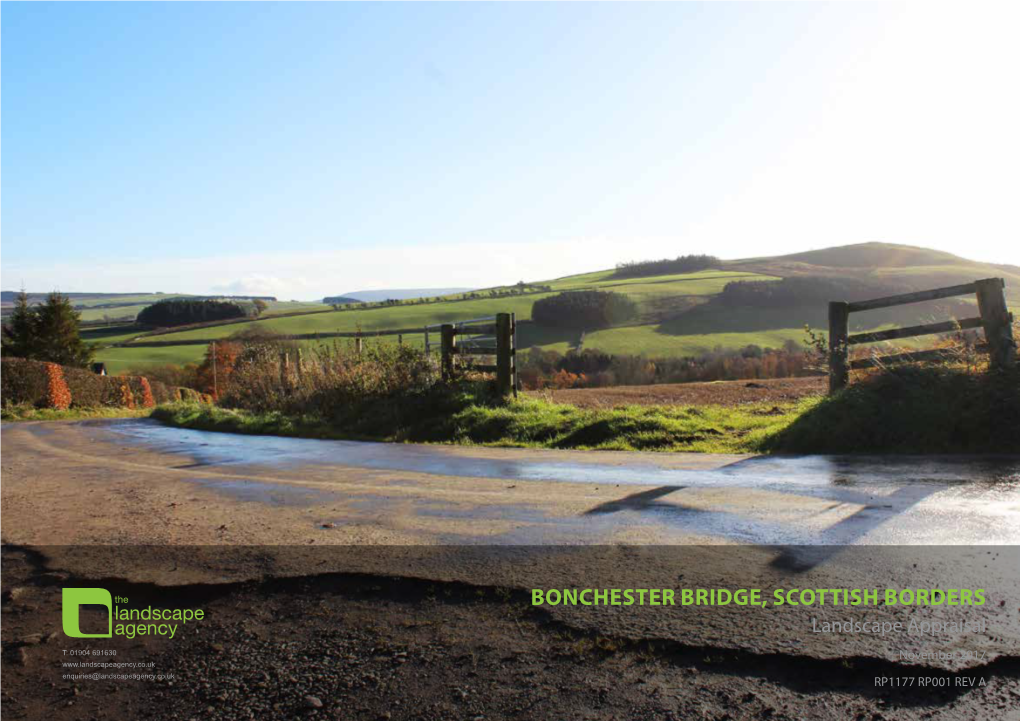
x=805, y=474
x=890, y=499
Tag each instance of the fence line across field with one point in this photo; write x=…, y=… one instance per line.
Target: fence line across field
x=995, y=319
x=490, y=336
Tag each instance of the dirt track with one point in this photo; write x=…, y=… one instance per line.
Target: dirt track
x=720, y=393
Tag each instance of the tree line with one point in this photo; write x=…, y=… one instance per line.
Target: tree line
x=584, y=309
x=46, y=332
x=800, y=291
x=185, y=311
x=666, y=266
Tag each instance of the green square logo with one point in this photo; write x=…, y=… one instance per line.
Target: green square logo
x=75, y=597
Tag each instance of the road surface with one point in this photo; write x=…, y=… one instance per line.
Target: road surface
x=188, y=508
x=167, y=485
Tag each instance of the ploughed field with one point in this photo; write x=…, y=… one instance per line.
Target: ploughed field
x=717, y=393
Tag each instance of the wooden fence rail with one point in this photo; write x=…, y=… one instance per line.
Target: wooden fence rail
x=995, y=319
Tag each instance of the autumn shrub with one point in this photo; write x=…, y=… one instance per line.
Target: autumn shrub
x=127, y=398
x=57, y=393
x=147, y=401
x=213, y=374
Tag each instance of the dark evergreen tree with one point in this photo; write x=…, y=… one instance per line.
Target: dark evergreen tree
x=57, y=337
x=19, y=338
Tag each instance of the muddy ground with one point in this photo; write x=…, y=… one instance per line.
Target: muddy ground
x=720, y=393
x=363, y=647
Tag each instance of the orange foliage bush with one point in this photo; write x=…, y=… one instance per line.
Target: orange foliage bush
x=147, y=400
x=226, y=353
x=127, y=398
x=58, y=395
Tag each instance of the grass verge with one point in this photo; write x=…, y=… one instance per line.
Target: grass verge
x=913, y=409
x=28, y=413
x=526, y=422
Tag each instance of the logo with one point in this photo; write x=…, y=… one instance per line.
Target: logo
x=75, y=597
x=124, y=620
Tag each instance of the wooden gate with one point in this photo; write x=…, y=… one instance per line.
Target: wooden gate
x=995, y=319
x=472, y=340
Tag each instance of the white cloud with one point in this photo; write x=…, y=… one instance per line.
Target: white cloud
x=255, y=284
x=310, y=276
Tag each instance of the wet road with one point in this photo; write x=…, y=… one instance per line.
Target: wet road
x=515, y=496
x=135, y=500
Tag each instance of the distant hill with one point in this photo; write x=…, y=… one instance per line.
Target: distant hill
x=369, y=296
x=114, y=300
x=679, y=314
x=907, y=267
x=873, y=255
x=124, y=307
x=340, y=300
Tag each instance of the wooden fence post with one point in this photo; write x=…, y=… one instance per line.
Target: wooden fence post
x=996, y=321
x=400, y=339
x=300, y=369
x=448, y=340
x=284, y=369
x=839, y=350
x=215, y=376
x=358, y=345
x=504, y=354
x=513, y=350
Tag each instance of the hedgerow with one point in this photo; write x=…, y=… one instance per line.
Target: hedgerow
x=23, y=382
x=47, y=385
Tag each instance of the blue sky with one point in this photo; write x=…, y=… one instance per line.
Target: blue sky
x=310, y=149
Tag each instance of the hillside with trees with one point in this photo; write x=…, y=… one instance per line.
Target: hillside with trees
x=681, y=264
x=762, y=302
x=584, y=309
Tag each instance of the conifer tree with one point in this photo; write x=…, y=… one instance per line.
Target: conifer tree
x=54, y=334
x=19, y=332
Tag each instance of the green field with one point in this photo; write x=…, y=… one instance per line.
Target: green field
x=130, y=311
x=127, y=312
x=646, y=291
x=674, y=319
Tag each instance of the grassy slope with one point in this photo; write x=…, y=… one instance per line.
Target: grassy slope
x=681, y=333
x=919, y=267
x=118, y=313
x=644, y=290
x=912, y=409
